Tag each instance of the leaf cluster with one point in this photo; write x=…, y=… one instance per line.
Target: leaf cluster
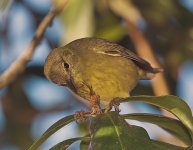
x=111, y=131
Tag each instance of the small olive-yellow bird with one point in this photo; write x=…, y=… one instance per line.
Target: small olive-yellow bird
x=110, y=69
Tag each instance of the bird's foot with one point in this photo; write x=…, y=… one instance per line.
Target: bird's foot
x=81, y=115
x=114, y=103
x=95, y=105
x=95, y=109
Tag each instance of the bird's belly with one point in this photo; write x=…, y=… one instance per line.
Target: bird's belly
x=107, y=87
x=107, y=80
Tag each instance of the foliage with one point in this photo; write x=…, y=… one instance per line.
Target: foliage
x=111, y=131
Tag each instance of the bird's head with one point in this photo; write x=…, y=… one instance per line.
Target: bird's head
x=56, y=68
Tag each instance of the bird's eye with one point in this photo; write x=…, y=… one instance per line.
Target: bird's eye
x=66, y=65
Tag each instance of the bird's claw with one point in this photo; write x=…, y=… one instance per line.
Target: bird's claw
x=80, y=115
x=95, y=105
x=115, y=103
x=95, y=109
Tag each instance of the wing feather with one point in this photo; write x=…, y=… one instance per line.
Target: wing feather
x=119, y=51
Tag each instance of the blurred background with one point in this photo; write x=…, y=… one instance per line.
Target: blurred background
x=31, y=104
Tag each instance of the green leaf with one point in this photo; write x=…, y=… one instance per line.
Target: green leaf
x=66, y=143
x=157, y=145
x=111, y=131
x=84, y=144
x=171, y=103
x=55, y=127
x=171, y=125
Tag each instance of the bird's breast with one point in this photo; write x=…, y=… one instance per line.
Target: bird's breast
x=110, y=77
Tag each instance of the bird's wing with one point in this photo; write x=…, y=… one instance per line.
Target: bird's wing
x=119, y=51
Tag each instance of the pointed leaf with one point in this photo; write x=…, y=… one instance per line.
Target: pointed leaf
x=55, y=127
x=171, y=125
x=110, y=131
x=171, y=103
x=66, y=143
x=157, y=145
x=84, y=144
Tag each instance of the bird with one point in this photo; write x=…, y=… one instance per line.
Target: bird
x=97, y=70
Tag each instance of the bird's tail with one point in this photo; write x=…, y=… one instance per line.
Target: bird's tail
x=146, y=75
x=157, y=70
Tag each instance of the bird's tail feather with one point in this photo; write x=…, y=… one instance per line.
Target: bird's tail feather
x=157, y=70
x=144, y=75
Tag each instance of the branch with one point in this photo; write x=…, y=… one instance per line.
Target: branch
x=17, y=67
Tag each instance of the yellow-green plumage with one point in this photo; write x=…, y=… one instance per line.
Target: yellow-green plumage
x=111, y=70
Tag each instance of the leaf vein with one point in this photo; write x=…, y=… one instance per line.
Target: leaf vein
x=117, y=132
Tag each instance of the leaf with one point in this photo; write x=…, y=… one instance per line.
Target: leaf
x=171, y=125
x=66, y=143
x=55, y=127
x=157, y=145
x=110, y=131
x=84, y=144
x=171, y=103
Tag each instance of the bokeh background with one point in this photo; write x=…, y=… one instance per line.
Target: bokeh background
x=31, y=104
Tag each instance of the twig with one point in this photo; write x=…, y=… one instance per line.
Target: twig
x=17, y=67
